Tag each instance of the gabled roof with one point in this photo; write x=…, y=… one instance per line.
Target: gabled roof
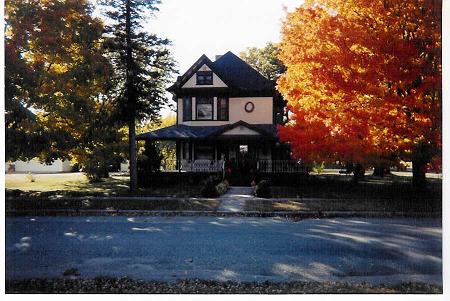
x=241, y=75
x=236, y=74
x=259, y=128
x=181, y=131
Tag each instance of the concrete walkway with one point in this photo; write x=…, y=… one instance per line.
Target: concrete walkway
x=234, y=199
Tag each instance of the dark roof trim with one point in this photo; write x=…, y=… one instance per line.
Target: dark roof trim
x=230, y=92
x=185, y=132
x=181, y=80
x=239, y=123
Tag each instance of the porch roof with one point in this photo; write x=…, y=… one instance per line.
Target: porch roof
x=185, y=132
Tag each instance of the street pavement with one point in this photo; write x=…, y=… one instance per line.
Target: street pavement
x=241, y=249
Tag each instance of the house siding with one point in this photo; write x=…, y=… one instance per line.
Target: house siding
x=262, y=113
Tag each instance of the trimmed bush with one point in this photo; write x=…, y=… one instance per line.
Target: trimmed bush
x=222, y=187
x=262, y=190
x=209, y=187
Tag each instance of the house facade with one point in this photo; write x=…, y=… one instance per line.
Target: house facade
x=227, y=117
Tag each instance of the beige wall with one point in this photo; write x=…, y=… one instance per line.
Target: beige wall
x=262, y=113
x=192, y=82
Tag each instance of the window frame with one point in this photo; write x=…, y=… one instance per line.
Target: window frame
x=187, y=115
x=198, y=101
x=226, y=116
x=204, y=82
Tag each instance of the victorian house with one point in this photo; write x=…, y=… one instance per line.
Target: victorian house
x=227, y=117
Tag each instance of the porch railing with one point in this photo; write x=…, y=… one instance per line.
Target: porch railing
x=263, y=166
x=280, y=166
x=201, y=165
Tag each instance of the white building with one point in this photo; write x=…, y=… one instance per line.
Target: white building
x=34, y=166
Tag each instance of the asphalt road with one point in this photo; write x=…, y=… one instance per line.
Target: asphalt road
x=242, y=249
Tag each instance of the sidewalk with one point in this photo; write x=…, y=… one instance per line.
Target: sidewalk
x=234, y=199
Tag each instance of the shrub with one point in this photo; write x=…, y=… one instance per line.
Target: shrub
x=222, y=187
x=209, y=187
x=318, y=168
x=262, y=190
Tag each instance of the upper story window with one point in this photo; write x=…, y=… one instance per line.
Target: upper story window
x=204, y=108
x=204, y=78
x=222, y=108
x=187, y=108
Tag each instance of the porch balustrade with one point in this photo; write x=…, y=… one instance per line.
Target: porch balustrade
x=280, y=166
x=263, y=166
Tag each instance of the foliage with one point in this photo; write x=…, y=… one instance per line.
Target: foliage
x=166, y=149
x=55, y=67
x=222, y=187
x=262, y=190
x=150, y=160
x=208, y=186
x=142, y=67
x=264, y=60
x=318, y=167
x=363, y=79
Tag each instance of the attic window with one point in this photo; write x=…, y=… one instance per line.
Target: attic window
x=204, y=78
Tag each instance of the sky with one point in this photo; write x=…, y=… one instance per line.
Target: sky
x=213, y=27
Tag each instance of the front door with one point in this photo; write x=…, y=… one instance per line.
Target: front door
x=242, y=168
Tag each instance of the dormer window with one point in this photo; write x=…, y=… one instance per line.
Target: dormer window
x=204, y=78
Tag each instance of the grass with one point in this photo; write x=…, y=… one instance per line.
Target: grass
x=339, y=193
x=77, y=184
x=65, y=181
x=342, y=187
x=24, y=194
x=393, y=193
x=424, y=206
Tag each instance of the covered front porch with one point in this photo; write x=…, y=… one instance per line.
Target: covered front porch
x=238, y=151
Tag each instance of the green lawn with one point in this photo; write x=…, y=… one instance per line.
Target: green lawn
x=77, y=184
x=65, y=182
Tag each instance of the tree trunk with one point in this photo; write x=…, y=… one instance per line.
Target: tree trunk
x=358, y=172
x=380, y=170
x=421, y=156
x=130, y=97
x=133, y=156
x=418, y=167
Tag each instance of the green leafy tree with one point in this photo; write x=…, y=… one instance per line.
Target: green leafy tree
x=142, y=67
x=166, y=149
x=56, y=78
x=265, y=60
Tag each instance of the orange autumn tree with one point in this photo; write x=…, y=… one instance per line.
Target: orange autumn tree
x=363, y=81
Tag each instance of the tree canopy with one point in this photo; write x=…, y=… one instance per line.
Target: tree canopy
x=265, y=60
x=363, y=79
x=55, y=83
x=142, y=66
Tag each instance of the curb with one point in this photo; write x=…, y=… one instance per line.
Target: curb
x=296, y=215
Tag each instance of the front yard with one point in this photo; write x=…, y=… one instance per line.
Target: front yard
x=315, y=193
x=77, y=184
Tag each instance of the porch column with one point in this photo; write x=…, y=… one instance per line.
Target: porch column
x=215, y=152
